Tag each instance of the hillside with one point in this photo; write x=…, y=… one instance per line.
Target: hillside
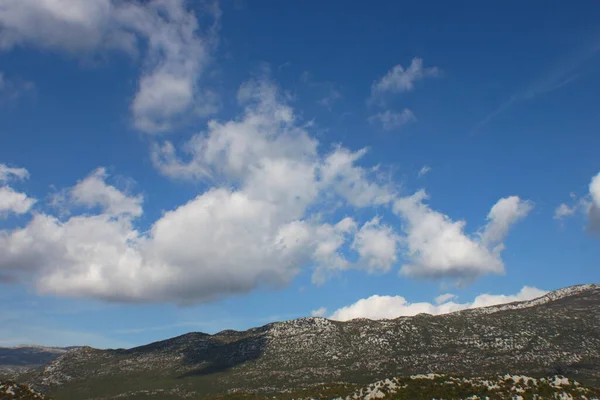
x=554, y=334
x=14, y=360
x=10, y=390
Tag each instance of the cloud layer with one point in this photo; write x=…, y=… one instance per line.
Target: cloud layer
x=165, y=32
x=389, y=307
x=255, y=230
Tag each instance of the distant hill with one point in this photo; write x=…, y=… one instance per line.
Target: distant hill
x=556, y=334
x=14, y=360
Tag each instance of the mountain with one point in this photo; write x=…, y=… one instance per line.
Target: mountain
x=14, y=360
x=556, y=334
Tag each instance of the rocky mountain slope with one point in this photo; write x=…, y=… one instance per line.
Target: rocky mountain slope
x=554, y=334
x=432, y=386
x=10, y=390
x=14, y=360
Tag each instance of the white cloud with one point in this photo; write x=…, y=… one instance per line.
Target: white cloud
x=593, y=208
x=257, y=226
x=7, y=173
x=271, y=208
x=218, y=244
x=563, y=211
x=399, y=79
x=353, y=183
x=389, y=307
x=93, y=191
x=267, y=147
x=391, y=120
x=376, y=244
x=65, y=25
x=12, y=201
x=320, y=312
x=174, y=57
x=437, y=246
x=423, y=171
x=502, y=216
x=589, y=204
x=526, y=293
x=327, y=253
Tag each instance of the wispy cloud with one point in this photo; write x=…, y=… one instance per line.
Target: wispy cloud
x=391, y=120
x=423, y=171
x=320, y=312
x=14, y=89
x=329, y=92
x=555, y=78
x=400, y=79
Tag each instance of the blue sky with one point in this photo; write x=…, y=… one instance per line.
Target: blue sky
x=173, y=166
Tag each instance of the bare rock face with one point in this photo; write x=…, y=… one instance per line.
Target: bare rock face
x=556, y=334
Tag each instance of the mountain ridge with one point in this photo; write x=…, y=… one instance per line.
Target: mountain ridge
x=554, y=334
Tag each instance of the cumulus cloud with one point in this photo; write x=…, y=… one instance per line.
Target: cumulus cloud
x=353, y=183
x=391, y=120
x=376, y=245
x=437, y=246
x=389, y=307
x=589, y=204
x=12, y=201
x=93, y=191
x=275, y=203
x=502, y=216
x=256, y=226
x=400, y=79
x=220, y=243
x=175, y=53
